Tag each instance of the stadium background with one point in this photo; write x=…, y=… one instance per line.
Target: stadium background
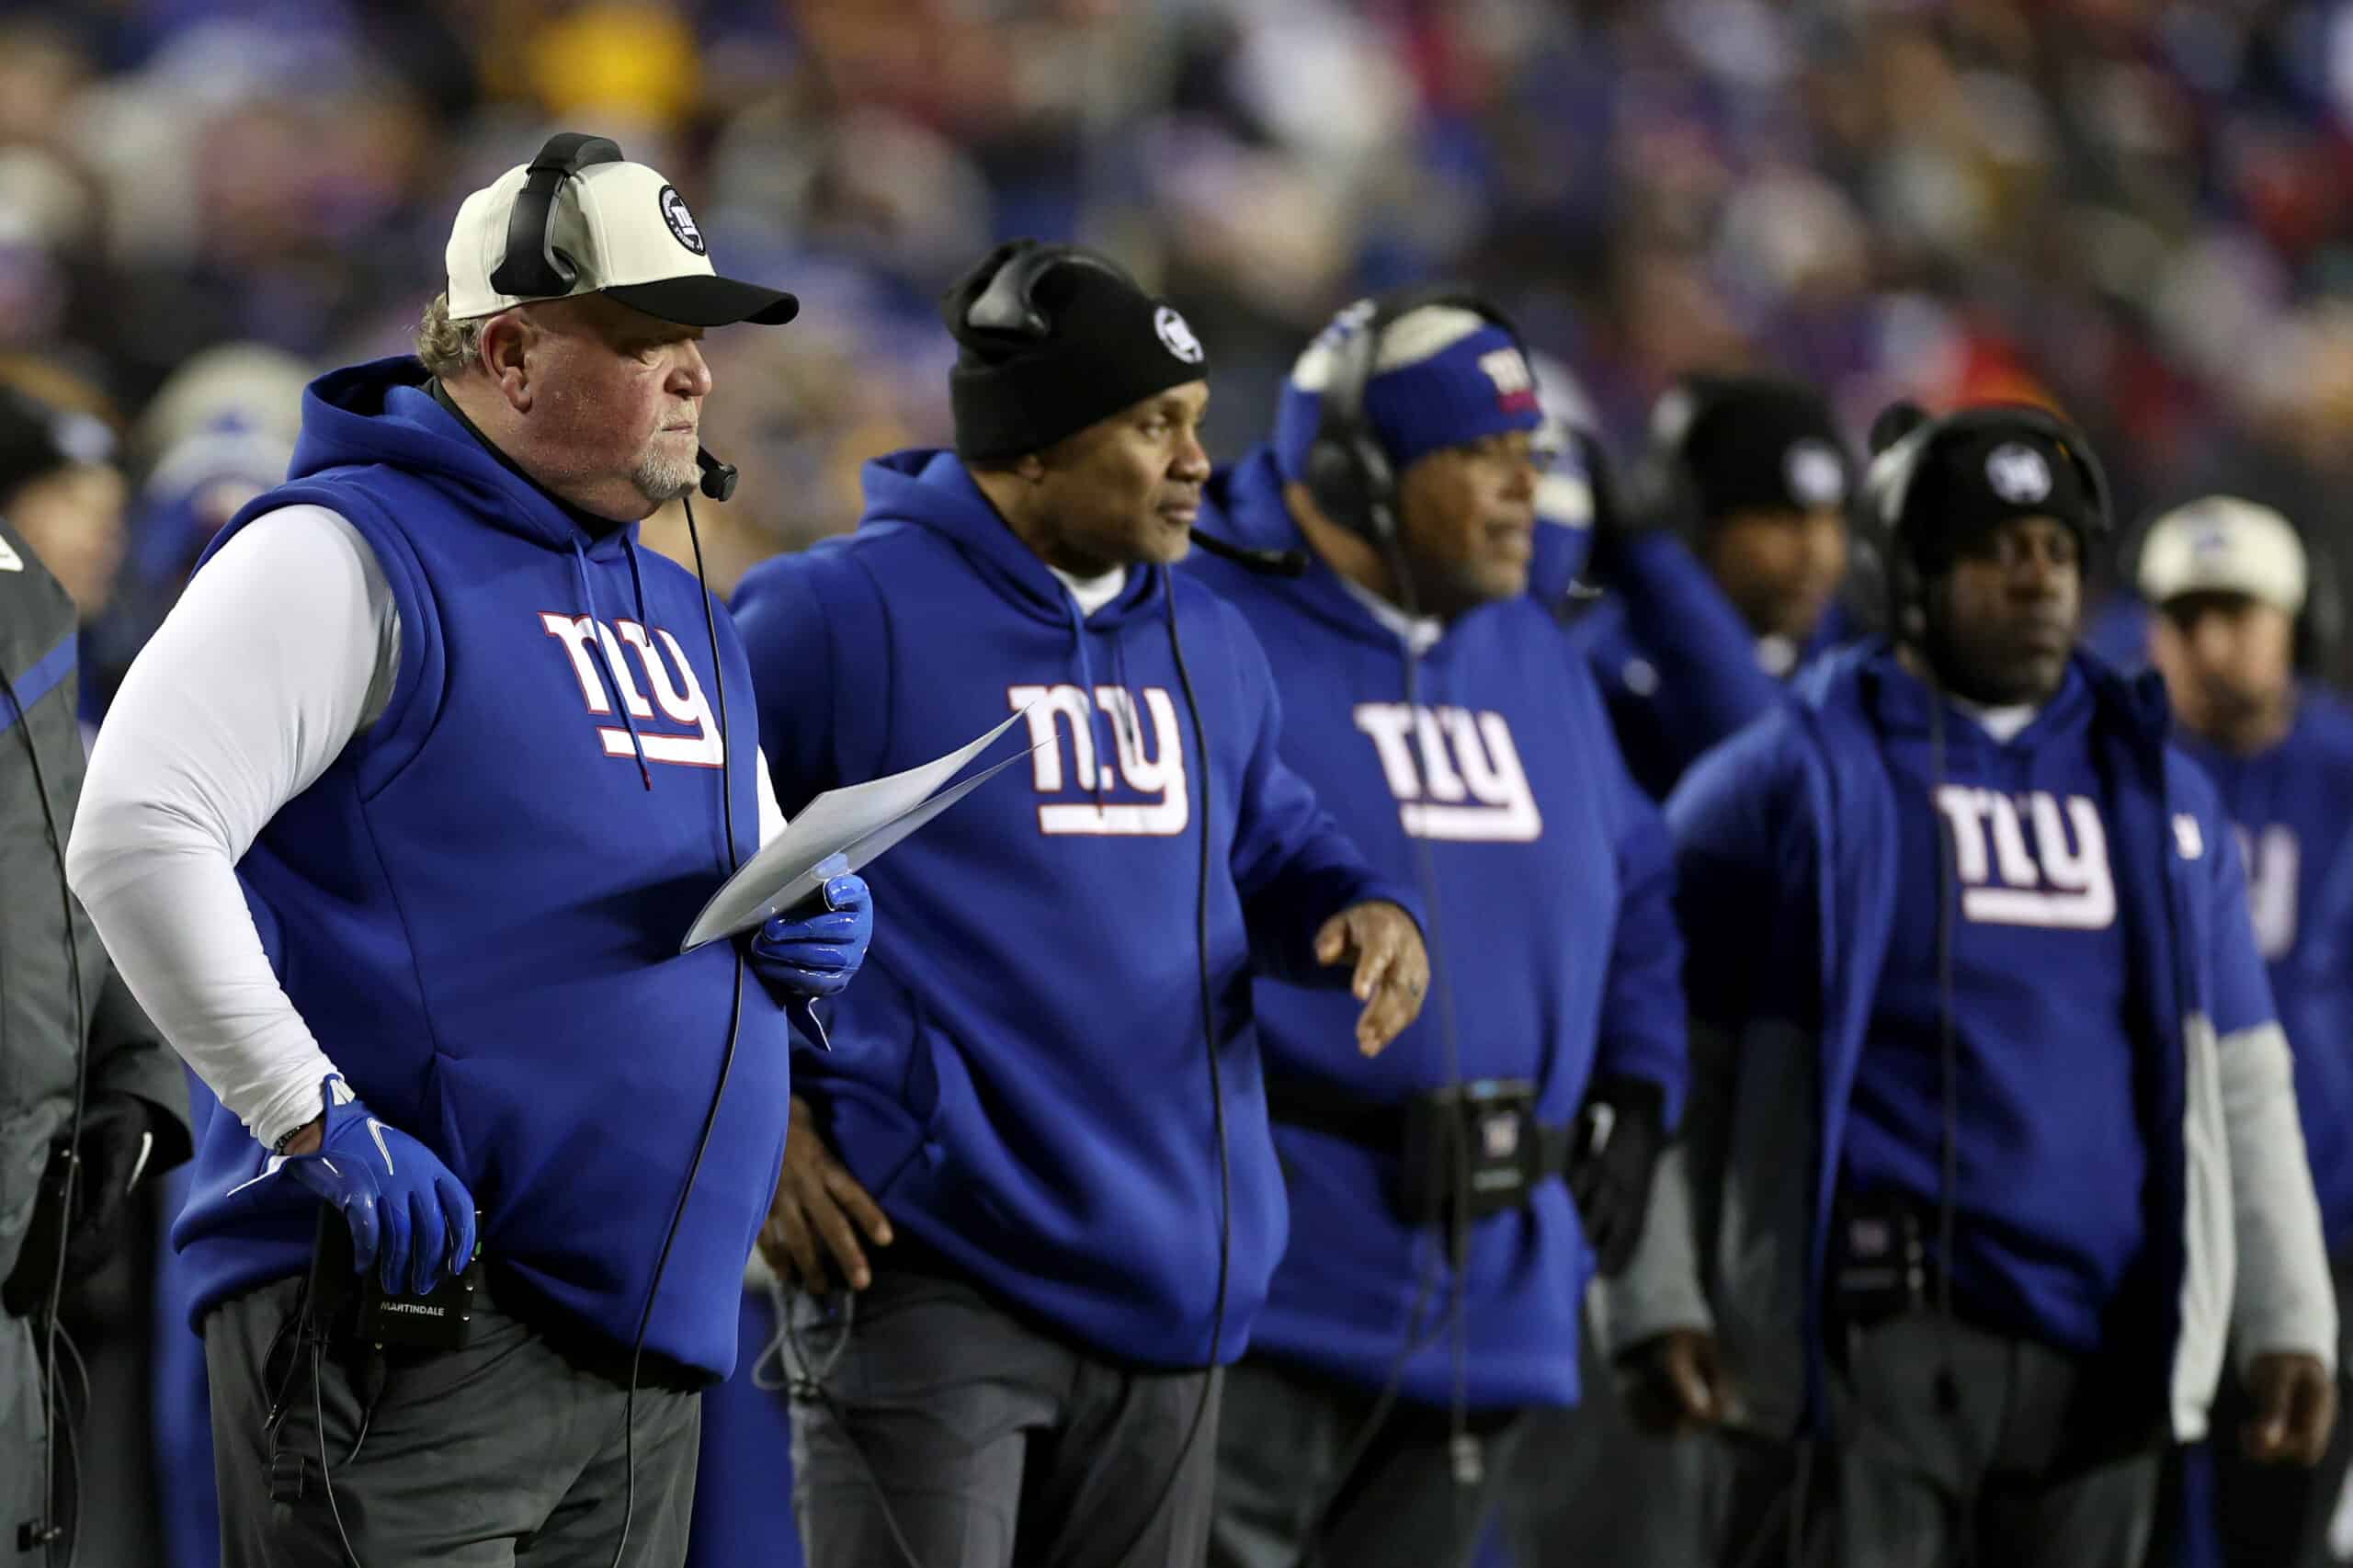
x=2135, y=210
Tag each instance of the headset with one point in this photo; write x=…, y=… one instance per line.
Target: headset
x=1905, y=439
x=533, y=269
x=1008, y=306
x=1348, y=472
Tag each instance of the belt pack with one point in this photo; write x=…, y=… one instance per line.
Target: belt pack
x=1483, y=1136
x=1880, y=1264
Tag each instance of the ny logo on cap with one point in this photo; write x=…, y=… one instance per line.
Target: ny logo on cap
x=681, y=222
x=2017, y=474
x=1176, y=334
x=1814, y=473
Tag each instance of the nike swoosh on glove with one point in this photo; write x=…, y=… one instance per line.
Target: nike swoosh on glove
x=408, y=1214
x=814, y=955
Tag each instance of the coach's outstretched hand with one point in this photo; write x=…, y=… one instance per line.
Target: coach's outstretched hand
x=815, y=954
x=816, y=1201
x=1393, y=969
x=2295, y=1407
x=407, y=1213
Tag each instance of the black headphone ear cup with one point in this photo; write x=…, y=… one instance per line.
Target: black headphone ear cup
x=1337, y=484
x=2320, y=629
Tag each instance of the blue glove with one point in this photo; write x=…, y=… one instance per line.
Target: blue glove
x=815, y=954
x=407, y=1213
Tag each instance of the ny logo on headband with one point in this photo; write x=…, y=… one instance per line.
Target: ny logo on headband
x=1456, y=774
x=2062, y=882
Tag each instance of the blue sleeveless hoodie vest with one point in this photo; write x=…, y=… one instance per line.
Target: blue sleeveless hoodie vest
x=477, y=908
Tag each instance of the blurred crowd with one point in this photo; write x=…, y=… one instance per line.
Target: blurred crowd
x=2135, y=210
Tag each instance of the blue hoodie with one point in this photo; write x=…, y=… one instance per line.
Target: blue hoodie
x=1789, y=880
x=2294, y=808
x=477, y=908
x=1556, y=924
x=1020, y=1075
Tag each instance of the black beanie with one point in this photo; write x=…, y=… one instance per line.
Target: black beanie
x=1106, y=345
x=1755, y=443
x=36, y=440
x=1968, y=484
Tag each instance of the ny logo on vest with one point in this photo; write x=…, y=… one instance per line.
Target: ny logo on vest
x=2062, y=882
x=680, y=700
x=1467, y=783
x=1112, y=784
x=2272, y=859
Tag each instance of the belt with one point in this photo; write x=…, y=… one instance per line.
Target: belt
x=1503, y=1150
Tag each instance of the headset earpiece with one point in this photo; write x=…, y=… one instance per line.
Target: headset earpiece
x=1348, y=472
x=1010, y=303
x=532, y=266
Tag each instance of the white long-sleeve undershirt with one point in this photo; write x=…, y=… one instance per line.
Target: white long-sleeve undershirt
x=281, y=652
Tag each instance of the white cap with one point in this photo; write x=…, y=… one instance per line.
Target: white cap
x=2222, y=545
x=626, y=232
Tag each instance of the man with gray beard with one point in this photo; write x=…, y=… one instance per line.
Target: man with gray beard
x=395, y=828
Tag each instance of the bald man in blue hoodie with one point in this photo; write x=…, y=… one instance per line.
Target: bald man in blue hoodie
x=1044, y=1103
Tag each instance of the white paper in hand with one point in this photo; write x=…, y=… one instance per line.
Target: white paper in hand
x=858, y=822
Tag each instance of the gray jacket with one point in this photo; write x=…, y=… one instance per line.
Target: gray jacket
x=37, y=1001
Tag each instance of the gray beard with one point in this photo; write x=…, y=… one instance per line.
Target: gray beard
x=661, y=479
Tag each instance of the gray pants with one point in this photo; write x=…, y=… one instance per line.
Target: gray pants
x=984, y=1441
x=1590, y=1488
x=1924, y=1481
x=505, y=1452
x=1286, y=1436
x=20, y=1436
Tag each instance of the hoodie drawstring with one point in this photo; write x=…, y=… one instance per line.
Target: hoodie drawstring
x=596, y=640
x=1102, y=759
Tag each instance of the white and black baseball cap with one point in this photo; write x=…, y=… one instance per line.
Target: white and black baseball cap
x=620, y=228
x=2220, y=544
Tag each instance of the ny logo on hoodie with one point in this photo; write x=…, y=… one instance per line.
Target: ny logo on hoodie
x=2058, y=883
x=2272, y=859
x=1467, y=785
x=681, y=699
x=1159, y=775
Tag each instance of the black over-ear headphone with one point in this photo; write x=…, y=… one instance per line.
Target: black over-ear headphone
x=533, y=267
x=1348, y=472
x=1009, y=304
x=1885, y=493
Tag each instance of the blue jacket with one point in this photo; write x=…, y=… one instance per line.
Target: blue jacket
x=1553, y=913
x=477, y=909
x=1021, y=1076
x=1786, y=881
